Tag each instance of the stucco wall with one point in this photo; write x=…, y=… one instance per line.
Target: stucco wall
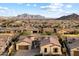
x=50, y=49
x=59, y=50
x=72, y=51
x=22, y=43
x=43, y=47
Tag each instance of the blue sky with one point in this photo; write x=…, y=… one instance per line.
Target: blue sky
x=53, y=10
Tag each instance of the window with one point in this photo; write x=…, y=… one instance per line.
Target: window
x=45, y=49
x=34, y=31
x=55, y=50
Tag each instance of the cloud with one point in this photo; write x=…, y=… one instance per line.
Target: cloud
x=7, y=11
x=19, y=3
x=34, y=5
x=53, y=7
x=2, y=11
x=3, y=8
x=56, y=7
x=27, y=4
x=45, y=7
x=68, y=6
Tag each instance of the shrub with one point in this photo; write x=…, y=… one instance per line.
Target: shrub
x=47, y=33
x=26, y=33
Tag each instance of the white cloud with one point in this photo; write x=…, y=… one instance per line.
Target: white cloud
x=34, y=5
x=68, y=6
x=6, y=11
x=53, y=7
x=2, y=11
x=27, y=4
x=20, y=3
x=56, y=7
x=3, y=8
x=45, y=7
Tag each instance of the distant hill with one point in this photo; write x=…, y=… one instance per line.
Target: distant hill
x=37, y=17
x=3, y=18
x=69, y=17
x=28, y=16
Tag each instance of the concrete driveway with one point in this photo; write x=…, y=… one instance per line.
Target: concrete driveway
x=27, y=53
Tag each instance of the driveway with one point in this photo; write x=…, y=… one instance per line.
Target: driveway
x=27, y=53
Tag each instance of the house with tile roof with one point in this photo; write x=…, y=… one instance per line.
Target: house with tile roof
x=50, y=46
x=74, y=48
x=24, y=43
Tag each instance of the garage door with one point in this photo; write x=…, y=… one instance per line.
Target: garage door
x=23, y=47
x=76, y=53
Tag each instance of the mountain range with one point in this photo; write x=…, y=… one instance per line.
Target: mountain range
x=29, y=16
x=69, y=17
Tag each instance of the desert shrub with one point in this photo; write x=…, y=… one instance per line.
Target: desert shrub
x=47, y=33
x=26, y=33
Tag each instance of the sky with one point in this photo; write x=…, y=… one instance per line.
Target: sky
x=52, y=10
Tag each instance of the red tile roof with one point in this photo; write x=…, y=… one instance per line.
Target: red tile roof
x=50, y=40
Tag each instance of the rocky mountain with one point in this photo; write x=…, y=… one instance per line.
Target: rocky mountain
x=69, y=17
x=28, y=16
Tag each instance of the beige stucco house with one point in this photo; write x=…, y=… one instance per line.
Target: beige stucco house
x=74, y=48
x=24, y=43
x=51, y=46
x=32, y=30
